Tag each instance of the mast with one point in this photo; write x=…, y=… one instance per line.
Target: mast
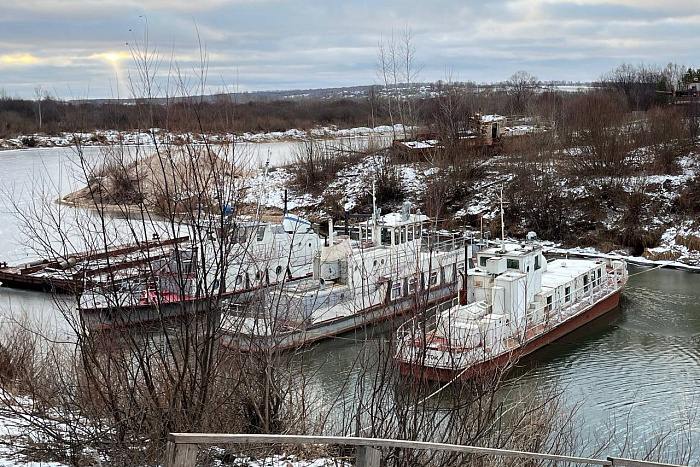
x=503, y=227
x=264, y=192
x=374, y=201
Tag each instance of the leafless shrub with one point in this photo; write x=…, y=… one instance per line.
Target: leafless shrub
x=633, y=232
x=602, y=143
x=666, y=136
x=317, y=162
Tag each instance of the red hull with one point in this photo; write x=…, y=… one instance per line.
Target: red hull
x=506, y=360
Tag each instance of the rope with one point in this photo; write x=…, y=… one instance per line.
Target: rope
x=648, y=270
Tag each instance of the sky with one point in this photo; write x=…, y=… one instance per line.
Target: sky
x=90, y=49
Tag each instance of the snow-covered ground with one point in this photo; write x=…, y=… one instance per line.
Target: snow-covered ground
x=111, y=137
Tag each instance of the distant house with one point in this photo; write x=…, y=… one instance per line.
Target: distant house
x=694, y=88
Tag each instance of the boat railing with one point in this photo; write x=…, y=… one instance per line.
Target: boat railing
x=581, y=298
x=420, y=325
x=443, y=242
x=552, y=313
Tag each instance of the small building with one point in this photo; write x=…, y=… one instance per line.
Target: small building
x=491, y=126
x=694, y=88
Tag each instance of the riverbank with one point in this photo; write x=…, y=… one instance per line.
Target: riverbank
x=159, y=136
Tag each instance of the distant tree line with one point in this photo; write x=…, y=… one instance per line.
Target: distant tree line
x=49, y=115
x=642, y=86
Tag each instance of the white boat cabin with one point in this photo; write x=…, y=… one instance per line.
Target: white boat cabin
x=384, y=260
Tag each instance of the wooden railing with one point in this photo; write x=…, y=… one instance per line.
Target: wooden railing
x=182, y=449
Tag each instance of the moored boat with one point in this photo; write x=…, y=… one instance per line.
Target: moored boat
x=71, y=273
x=514, y=302
x=223, y=266
x=391, y=265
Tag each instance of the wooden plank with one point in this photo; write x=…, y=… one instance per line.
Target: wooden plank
x=622, y=462
x=221, y=438
x=367, y=457
x=180, y=455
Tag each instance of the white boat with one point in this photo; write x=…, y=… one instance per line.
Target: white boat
x=223, y=266
x=515, y=302
x=389, y=266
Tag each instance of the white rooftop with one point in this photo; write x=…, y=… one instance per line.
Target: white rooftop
x=395, y=218
x=492, y=118
x=561, y=271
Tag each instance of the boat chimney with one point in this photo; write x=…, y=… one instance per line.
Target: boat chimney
x=330, y=231
x=405, y=211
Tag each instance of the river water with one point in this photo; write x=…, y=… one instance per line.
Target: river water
x=637, y=367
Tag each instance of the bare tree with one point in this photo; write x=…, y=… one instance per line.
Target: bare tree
x=521, y=86
x=397, y=69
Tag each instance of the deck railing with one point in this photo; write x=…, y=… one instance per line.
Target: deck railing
x=183, y=448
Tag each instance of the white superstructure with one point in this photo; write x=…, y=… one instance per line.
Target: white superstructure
x=514, y=301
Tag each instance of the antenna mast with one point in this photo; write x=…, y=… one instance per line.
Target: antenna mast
x=264, y=193
x=374, y=200
x=503, y=227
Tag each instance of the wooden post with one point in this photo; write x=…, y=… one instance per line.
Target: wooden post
x=180, y=455
x=367, y=456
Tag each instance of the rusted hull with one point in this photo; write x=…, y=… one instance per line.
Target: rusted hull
x=22, y=276
x=41, y=284
x=506, y=361
x=143, y=314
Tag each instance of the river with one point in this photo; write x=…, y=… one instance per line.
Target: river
x=639, y=366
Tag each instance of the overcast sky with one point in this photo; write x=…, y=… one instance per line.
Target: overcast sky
x=79, y=49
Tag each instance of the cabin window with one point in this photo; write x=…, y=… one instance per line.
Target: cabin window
x=598, y=273
x=410, y=233
x=395, y=291
x=482, y=261
x=548, y=307
x=537, y=262
x=386, y=237
x=567, y=294
x=261, y=233
x=278, y=270
x=585, y=283
x=239, y=279
x=257, y=275
x=397, y=236
x=403, y=234
x=433, y=278
x=512, y=264
x=242, y=235
x=412, y=285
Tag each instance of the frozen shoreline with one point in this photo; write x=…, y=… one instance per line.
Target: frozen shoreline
x=637, y=260
x=157, y=135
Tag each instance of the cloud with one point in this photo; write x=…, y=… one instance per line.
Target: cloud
x=18, y=59
x=84, y=46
